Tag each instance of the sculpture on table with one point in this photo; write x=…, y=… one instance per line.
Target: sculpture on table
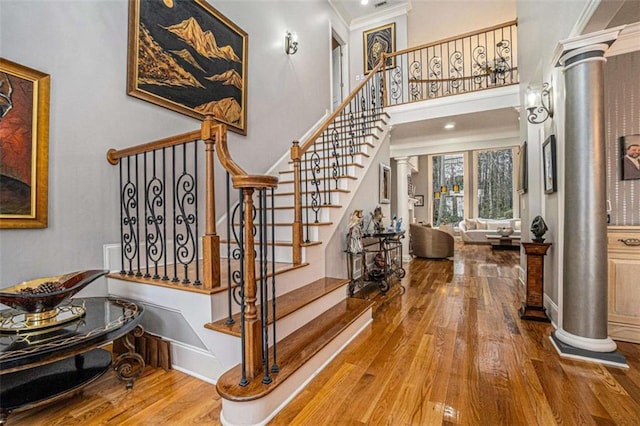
x=538, y=229
x=377, y=220
x=354, y=235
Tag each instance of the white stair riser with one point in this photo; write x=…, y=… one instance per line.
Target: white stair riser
x=356, y=158
x=350, y=170
x=287, y=215
x=282, y=253
x=343, y=183
x=288, y=200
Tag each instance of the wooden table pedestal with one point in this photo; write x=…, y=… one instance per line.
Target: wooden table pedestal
x=533, y=307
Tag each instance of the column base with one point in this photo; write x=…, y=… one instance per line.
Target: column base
x=533, y=313
x=613, y=358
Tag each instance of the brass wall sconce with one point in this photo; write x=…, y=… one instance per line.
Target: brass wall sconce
x=539, y=104
x=291, y=43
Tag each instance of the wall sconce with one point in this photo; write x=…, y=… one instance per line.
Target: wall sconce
x=539, y=104
x=291, y=43
x=436, y=195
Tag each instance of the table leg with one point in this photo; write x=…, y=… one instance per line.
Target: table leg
x=130, y=365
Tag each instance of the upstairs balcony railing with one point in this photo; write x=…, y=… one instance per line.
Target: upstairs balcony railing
x=479, y=60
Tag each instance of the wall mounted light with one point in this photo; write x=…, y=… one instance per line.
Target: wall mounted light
x=436, y=195
x=291, y=43
x=539, y=104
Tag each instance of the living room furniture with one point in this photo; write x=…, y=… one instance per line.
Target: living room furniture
x=475, y=231
x=379, y=261
x=499, y=242
x=430, y=243
x=533, y=307
x=623, y=284
x=37, y=367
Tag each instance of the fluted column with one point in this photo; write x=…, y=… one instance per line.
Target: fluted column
x=584, y=301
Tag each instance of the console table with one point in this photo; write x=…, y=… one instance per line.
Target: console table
x=40, y=366
x=385, y=248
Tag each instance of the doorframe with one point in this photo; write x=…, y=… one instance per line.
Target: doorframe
x=344, y=69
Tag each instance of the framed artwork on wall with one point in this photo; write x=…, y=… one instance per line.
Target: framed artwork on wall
x=630, y=149
x=419, y=201
x=522, y=183
x=549, y=165
x=385, y=184
x=24, y=146
x=188, y=57
x=377, y=41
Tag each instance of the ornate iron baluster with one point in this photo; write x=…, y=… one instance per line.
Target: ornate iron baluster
x=129, y=204
x=154, y=236
x=185, y=198
x=274, y=366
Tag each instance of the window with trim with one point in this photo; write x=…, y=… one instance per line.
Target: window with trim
x=448, y=201
x=495, y=184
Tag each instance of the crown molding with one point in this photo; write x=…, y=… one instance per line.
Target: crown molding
x=584, y=18
x=595, y=39
x=338, y=14
x=628, y=41
x=374, y=18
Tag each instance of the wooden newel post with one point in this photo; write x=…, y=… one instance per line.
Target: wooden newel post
x=533, y=307
x=297, y=220
x=210, y=240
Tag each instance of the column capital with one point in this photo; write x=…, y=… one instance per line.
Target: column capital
x=585, y=47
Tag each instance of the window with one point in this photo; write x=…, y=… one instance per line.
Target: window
x=448, y=203
x=495, y=184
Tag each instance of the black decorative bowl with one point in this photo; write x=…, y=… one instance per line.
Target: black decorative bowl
x=41, y=296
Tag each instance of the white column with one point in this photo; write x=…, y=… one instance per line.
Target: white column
x=402, y=197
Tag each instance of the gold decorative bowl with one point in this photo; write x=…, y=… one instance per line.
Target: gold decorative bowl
x=40, y=297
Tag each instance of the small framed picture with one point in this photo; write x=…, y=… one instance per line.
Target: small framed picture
x=385, y=184
x=419, y=201
x=549, y=164
x=630, y=148
x=377, y=41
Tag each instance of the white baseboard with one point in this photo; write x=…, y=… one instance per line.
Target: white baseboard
x=195, y=362
x=552, y=310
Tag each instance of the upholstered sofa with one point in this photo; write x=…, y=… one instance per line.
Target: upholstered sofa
x=475, y=231
x=430, y=243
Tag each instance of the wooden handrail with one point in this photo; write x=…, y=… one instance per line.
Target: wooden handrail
x=114, y=155
x=339, y=109
x=448, y=39
x=443, y=80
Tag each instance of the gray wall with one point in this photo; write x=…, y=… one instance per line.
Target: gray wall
x=83, y=46
x=622, y=112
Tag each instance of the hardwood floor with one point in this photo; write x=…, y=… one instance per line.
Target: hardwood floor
x=448, y=349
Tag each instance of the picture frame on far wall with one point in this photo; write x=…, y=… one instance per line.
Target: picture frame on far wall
x=630, y=150
x=377, y=41
x=385, y=184
x=419, y=201
x=549, y=165
x=24, y=146
x=523, y=178
x=188, y=57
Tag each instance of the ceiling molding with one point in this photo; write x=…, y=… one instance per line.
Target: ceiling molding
x=374, y=18
x=628, y=41
x=584, y=18
x=338, y=14
x=463, y=143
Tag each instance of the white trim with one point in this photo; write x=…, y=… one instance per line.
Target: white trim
x=183, y=355
x=586, y=343
x=521, y=274
x=595, y=38
x=374, y=18
x=552, y=308
x=584, y=18
x=584, y=358
x=338, y=14
x=628, y=41
x=459, y=144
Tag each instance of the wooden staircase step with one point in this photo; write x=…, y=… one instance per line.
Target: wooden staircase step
x=283, y=243
x=323, y=158
x=285, y=304
x=343, y=191
x=303, y=169
x=321, y=178
x=294, y=350
x=304, y=206
x=291, y=224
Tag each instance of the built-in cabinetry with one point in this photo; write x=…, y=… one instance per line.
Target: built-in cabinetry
x=624, y=283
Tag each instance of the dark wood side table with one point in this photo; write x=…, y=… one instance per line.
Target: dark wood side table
x=48, y=364
x=533, y=307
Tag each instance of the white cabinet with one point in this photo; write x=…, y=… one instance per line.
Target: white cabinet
x=624, y=283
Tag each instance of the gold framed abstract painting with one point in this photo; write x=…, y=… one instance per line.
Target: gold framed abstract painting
x=24, y=146
x=376, y=42
x=188, y=57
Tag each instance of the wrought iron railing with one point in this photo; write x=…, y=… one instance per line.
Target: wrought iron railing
x=322, y=163
x=160, y=205
x=480, y=60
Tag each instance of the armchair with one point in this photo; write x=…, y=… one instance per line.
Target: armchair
x=430, y=243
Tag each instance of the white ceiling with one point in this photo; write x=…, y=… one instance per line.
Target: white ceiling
x=352, y=9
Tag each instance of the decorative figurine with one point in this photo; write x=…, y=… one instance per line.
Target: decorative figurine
x=399, y=225
x=354, y=236
x=377, y=220
x=538, y=229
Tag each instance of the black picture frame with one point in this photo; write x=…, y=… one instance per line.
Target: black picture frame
x=549, y=172
x=419, y=201
x=629, y=170
x=377, y=41
x=523, y=172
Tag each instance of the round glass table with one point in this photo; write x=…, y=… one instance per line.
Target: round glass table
x=40, y=365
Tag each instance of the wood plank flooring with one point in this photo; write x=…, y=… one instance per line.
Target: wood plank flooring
x=449, y=349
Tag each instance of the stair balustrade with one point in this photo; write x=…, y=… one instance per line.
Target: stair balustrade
x=479, y=60
x=159, y=212
x=322, y=162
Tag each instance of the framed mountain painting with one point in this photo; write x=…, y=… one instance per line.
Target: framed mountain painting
x=188, y=57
